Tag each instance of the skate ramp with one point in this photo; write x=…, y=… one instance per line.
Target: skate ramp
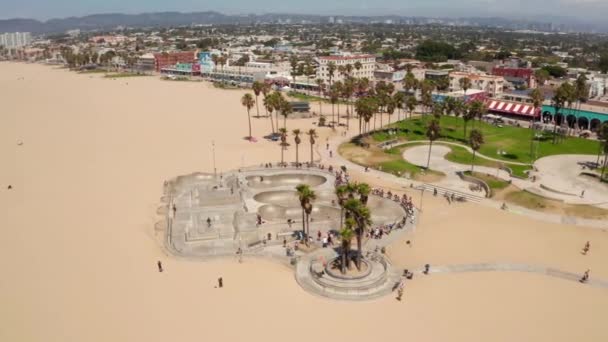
x=292, y=180
x=275, y=213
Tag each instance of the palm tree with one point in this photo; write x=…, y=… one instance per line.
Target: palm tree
x=283, y=144
x=331, y=69
x=333, y=98
x=465, y=84
x=247, y=101
x=286, y=109
x=296, y=133
x=312, y=134
x=257, y=90
x=433, y=131
x=306, y=196
x=399, y=101
x=361, y=215
x=346, y=236
x=426, y=97
x=293, y=61
x=341, y=194
x=559, y=100
x=390, y=109
x=537, y=100
x=475, y=141
x=411, y=104
x=477, y=109
x=269, y=105
x=602, y=137
x=321, y=86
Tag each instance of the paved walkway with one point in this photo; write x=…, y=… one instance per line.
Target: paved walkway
x=470, y=150
x=505, y=267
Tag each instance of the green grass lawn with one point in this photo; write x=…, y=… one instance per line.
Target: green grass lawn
x=493, y=182
x=515, y=141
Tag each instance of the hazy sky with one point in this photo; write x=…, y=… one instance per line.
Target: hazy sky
x=45, y=9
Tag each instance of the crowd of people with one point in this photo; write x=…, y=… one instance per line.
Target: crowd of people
x=406, y=202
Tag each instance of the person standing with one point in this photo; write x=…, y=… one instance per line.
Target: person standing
x=220, y=282
x=160, y=266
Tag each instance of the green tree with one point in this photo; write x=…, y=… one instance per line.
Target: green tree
x=433, y=132
x=312, y=135
x=247, y=101
x=283, y=144
x=257, y=90
x=475, y=141
x=297, y=140
x=306, y=197
x=560, y=97
x=465, y=84
x=346, y=237
x=411, y=104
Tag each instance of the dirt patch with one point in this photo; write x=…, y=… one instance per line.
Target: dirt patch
x=535, y=202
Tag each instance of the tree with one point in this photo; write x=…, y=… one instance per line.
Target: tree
x=602, y=137
x=257, y=90
x=433, y=131
x=321, y=85
x=269, y=105
x=555, y=71
x=477, y=110
x=346, y=237
x=312, y=134
x=541, y=76
x=603, y=63
x=537, y=100
x=247, y=101
x=558, y=101
x=293, y=61
x=306, y=196
x=358, y=212
x=390, y=109
x=475, y=141
x=296, y=133
x=433, y=51
x=426, y=94
x=283, y=144
x=399, y=101
x=465, y=84
x=333, y=98
x=286, y=109
x=411, y=104
x=331, y=69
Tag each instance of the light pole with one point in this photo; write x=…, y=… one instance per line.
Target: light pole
x=421, y=196
x=213, y=151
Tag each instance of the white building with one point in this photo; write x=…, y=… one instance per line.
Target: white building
x=493, y=85
x=368, y=66
x=15, y=40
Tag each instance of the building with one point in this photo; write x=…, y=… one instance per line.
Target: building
x=471, y=95
x=183, y=69
x=145, y=62
x=519, y=77
x=368, y=66
x=169, y=59
x=435, y=75
x=15, y=40
x=493, y=85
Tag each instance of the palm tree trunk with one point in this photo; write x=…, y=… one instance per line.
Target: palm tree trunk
x=257, y=106
x=271, y=122
x=359, y=238
x=311, y=155
x=428, y=161
x=344, y=252
x=465, y=129
x=249, y=118
x=303, y=222
x=473, y=162
x=282, y=153
x=333, y=114
x=297, y=154
x=338, y=112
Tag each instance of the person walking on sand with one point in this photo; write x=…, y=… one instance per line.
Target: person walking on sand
x=585, y=277
x=586, y=248
x=400, y=290
x=220, y=282
x=160, y=266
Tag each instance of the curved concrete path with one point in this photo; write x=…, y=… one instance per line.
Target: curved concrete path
x=470, y=150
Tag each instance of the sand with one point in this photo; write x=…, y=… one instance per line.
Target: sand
x=79, y=249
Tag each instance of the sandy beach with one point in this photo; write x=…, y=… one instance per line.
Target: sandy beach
x=79, y=246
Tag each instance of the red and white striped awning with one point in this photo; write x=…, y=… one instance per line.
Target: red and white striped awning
x=513, y=108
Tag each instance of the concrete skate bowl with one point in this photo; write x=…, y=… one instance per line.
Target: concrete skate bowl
x=289, y=198
x=384, y=211
x=291, y=180
x=277, y=213
x=192, y=179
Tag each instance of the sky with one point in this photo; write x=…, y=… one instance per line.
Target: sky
x=47, y=9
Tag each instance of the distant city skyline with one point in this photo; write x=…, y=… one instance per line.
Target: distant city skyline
x=558, y=10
